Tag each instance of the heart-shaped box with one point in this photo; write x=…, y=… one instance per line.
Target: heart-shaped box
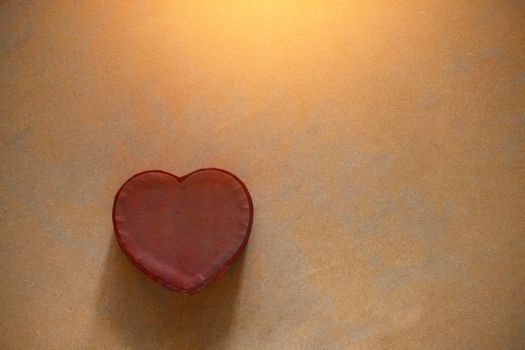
x=183, y=232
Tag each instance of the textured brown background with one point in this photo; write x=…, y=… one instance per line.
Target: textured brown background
x=383, y=143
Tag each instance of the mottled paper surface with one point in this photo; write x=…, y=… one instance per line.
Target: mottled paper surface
x=382, y=142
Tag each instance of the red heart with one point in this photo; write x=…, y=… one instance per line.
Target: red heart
x=183, y=232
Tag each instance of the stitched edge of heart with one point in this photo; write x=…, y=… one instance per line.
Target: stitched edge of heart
x=216, y=275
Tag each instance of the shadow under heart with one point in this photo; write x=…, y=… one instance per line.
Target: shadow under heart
x=141, y=312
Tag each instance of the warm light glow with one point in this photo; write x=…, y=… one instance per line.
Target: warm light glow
x=301, y=46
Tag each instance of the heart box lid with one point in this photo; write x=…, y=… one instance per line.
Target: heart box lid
x=183, y=232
